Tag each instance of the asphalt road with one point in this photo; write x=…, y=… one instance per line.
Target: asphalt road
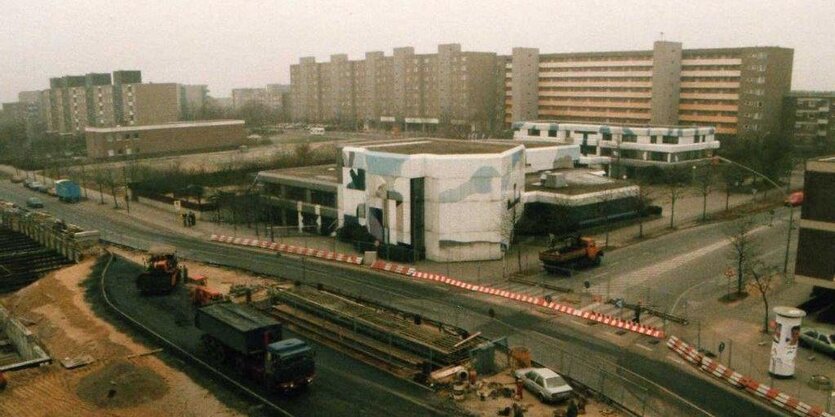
x=672, y=270
x=442, y=303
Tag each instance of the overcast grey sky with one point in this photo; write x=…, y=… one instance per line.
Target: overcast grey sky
x=229, y=44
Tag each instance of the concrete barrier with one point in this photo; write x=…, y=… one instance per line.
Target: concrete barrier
x=281, y=247
x=537, y=301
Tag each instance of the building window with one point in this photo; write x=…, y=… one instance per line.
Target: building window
x=136, y=135
x=669, y=140
x=653, y=139
x=629, y=138
x=533, y=132
x=552, y=133
x=127, y=135
x=607, y=137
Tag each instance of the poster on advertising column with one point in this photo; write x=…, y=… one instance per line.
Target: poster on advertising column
x=785, y=341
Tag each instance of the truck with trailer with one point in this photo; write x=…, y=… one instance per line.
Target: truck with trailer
x=251, y=343
x=570, y=251
x=67, y=191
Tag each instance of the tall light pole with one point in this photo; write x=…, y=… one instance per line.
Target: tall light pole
x=785, y=194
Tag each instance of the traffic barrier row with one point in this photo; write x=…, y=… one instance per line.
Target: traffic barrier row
x=537, y=301
x=769, y=394
x=281, y=247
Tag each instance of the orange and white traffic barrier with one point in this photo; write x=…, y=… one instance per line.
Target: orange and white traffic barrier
x=720, y=371
x=295, y=250
x=537, y=301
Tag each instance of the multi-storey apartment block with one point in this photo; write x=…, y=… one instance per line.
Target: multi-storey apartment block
x=414, y=91
x=737, y=90
x=816, y=240
x=73, y=103
x=809, y=120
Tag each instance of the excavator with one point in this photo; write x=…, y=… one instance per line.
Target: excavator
x=570, y=251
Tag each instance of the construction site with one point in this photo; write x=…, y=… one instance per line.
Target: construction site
x=80, y=331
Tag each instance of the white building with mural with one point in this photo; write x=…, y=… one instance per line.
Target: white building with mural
x=448, y=199
x=628, y=146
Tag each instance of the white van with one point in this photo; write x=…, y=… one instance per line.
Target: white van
x=317, y=131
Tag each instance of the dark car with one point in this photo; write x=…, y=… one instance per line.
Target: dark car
x=34, y=202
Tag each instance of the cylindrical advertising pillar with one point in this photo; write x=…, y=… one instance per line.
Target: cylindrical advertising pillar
x=785, y=341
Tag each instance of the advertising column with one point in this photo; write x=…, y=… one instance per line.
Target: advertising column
x=785, y=341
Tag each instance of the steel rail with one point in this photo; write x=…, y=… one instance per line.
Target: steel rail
x=179, y=350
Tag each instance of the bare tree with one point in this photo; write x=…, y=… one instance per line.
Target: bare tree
x=743, y=247
x=762, y=277
x=704, y=182
x=642, y=201
x=507, y=229
x=676, y=180
x=604, y=200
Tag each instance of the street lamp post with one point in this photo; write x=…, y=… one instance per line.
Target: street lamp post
x=785, y=193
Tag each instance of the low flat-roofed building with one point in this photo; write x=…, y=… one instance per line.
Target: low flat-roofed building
x=816, y=240
x=304, y=197
x=443, y=200
x=164, y=138
x=626, y=146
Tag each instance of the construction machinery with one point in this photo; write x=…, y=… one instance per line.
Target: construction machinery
x=162, y=271
x=570, y=251
x=200, y=293
x=251, y=342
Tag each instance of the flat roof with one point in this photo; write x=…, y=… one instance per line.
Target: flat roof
x=434, y=146
x=173, y=125
x=579, y=180
x=240, y=317
x=321, y=173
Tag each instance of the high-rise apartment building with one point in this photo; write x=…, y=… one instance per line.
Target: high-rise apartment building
x=809, y=120
x=816, y=240
x=73, y=103
x=150, y=104
x=737, y=90
x=192, y=99
x=274, y=96
x=411, y=90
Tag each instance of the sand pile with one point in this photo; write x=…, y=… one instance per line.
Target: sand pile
x=119, y=384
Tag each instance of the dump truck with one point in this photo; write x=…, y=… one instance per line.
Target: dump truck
x=67, y=191
x=162, y=271
x=251, y=343
x=570, y=251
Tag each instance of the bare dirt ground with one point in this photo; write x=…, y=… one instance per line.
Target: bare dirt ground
x=142, y=385
x=533, y=407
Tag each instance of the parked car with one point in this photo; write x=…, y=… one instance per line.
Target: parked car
x=546, y=384
x=34, y=202
x=38, y=186
x=28, y=182
x=820, y=340
x=794, y=199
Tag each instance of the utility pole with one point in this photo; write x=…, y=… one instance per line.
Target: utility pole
x=788, y=239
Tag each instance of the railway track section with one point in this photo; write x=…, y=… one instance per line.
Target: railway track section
x=180, y=351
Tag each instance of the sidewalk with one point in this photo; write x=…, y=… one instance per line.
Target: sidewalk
x=747, y=350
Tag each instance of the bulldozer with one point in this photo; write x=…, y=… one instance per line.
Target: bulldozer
x=162, y=271
x=569, y=252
